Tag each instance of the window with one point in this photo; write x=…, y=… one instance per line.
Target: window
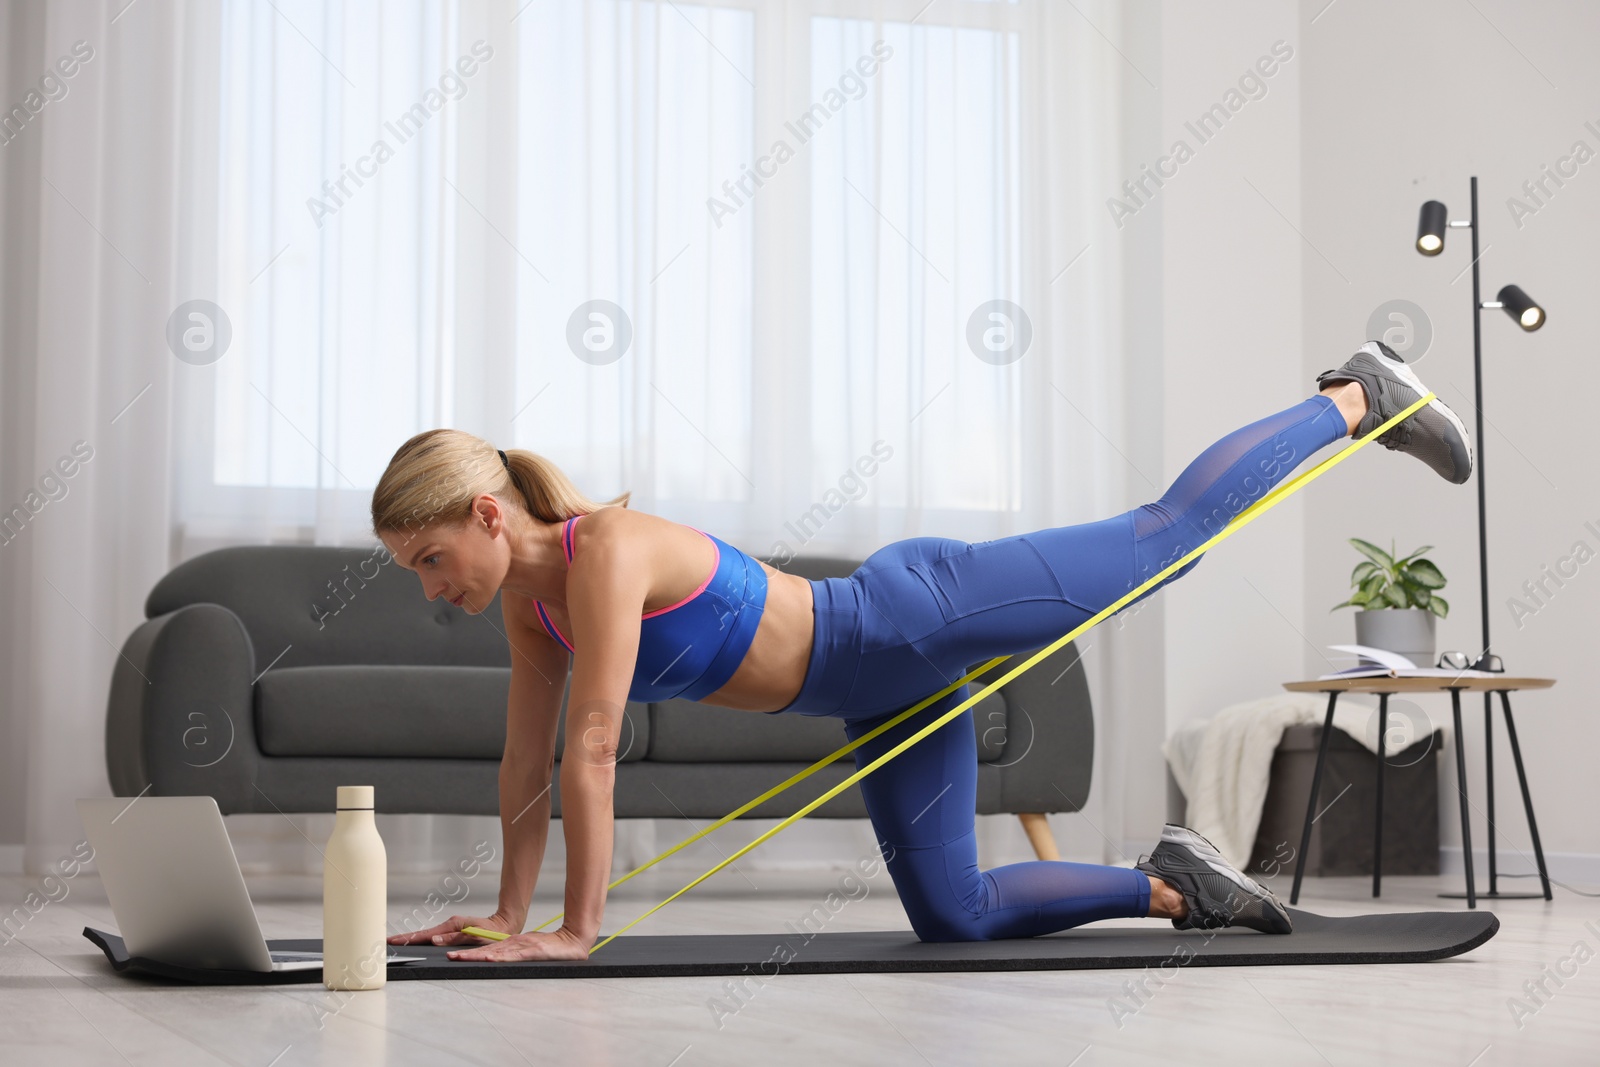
x=401, y=244
x=914, y=223
x=628, y=115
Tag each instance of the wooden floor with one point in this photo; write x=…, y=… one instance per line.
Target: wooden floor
x=60, y=1003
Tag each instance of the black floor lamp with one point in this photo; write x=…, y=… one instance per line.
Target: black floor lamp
x=1432, y=223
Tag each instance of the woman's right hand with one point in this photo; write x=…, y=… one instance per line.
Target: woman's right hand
x=449, y=931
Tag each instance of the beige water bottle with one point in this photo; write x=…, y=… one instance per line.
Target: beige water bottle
x=355, y=896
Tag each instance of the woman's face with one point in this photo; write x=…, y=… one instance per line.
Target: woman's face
x=464, y=564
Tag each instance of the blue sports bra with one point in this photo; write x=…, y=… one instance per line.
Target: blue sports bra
x=690, y=649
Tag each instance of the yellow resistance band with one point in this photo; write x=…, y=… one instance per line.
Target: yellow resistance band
x=1238, y=522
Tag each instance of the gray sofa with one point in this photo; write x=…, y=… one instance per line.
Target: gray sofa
x=265, y=676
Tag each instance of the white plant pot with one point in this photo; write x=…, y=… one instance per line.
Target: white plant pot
x=1408, y=631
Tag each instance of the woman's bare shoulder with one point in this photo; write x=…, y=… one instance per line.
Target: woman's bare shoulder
x=620, y=527
x=671, y=555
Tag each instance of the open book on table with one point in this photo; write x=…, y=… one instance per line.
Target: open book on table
x=1381, y=663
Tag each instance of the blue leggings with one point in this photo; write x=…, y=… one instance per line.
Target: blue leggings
x=919, y=613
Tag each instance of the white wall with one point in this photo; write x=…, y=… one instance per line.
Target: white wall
x=1401, y=103
x=1232, y=333
x=1382, y=107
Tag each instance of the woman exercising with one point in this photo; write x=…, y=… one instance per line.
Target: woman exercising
x=649, y=610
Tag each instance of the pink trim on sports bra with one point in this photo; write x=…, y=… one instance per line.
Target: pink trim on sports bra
x=568, y=547
x=550, y=627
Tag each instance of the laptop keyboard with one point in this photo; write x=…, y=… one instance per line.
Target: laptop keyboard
x=291, y=957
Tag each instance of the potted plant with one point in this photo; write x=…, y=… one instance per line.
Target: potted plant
x=1398, y=601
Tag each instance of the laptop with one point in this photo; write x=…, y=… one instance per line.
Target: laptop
x=175, y=888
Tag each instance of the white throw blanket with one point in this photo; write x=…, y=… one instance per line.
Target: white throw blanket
x=1222, y=763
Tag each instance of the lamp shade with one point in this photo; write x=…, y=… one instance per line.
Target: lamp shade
x=1520, y=306
x=1432, y=221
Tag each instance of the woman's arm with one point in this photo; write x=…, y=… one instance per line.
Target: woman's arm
x=538, y=675
x=606, y=591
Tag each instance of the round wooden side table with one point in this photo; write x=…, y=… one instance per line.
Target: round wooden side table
x=1383, y=686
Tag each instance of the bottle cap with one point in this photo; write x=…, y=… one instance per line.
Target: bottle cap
x=354, y=796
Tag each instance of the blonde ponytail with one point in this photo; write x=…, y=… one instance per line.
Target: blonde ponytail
x=434, y=477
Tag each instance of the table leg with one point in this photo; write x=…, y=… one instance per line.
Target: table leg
x=1311, y=802
x=1377, y=822
x=1527, y=798
x=1461, y=787
x=1488, y=779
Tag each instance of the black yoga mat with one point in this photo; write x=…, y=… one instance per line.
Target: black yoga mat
x=1412, y=937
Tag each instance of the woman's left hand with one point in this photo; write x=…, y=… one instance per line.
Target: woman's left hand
x=560, y=945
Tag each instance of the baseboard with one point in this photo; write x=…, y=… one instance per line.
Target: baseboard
x=1581, y=869
x=11, y=859
x=1575, y=868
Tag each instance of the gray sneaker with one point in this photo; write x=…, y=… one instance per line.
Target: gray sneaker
x=1433, y=433
x=1218, y=894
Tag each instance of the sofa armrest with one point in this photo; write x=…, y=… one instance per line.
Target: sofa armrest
x=180, y=719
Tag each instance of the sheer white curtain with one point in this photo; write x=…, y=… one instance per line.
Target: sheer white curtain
x=740, y=258
x=90, y=214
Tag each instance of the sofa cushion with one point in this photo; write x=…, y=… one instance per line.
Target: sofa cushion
x=410, y=711
x=682, y=731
